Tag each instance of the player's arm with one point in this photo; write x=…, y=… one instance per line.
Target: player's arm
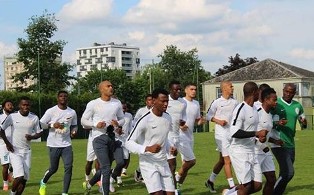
x=5, y=124
x=37, y=129
x=73, y=127
x=45, y=120
x=87, y=115
x=132, y=142
x=278, y=142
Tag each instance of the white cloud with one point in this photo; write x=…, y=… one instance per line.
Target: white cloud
x=137, y=35
x=307, y=54
x=174, y=11
x=78, y=11
x=7, y=50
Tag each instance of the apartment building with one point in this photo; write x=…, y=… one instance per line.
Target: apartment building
x=107, y=56
x=12, y=67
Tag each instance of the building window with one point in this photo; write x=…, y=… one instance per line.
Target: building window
x=111, y=59
x=218, y=92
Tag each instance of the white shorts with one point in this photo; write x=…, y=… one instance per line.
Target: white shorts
x=222, y=145
x=91, y=156
x=157, y=177
x=186, y=150
x=246, y=167
x=173, y=141
x=4, y=155
x=21, y=163
x=266, y=162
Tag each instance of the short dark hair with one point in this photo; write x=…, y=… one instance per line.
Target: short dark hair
x=263, y=86
x=190, y=84
x=266, y=93
x=24, y=98
x=62, y=91
x=249, y=88
x=148, y=95
x=173, y=82
x=4, y=103
x=156, y=93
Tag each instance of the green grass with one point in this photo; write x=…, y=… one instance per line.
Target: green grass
x=302, y=183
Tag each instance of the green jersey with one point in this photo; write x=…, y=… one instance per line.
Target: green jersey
x=291, y=112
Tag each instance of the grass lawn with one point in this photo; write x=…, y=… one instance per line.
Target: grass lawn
x=302, y=183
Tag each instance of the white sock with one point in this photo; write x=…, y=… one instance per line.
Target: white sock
x=232, y=191
x=86, y=177
x=12, y=193
x=111, y=180
x=212, y=177
x=178, y=177
x=5, y=183
x=119, y=180
x=123, y=170
x=230, y=182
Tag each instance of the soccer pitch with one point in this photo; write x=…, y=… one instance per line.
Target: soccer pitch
x=206, y=157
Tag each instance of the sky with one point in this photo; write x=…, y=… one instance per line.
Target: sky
x=279, y=29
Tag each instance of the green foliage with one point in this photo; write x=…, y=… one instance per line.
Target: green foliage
x=235, y=63
x=42, y=57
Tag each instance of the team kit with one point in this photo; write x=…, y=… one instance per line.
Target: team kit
x=249, y=135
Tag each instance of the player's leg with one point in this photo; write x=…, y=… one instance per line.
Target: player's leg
x=18, y=171
x=212, y=177
x=67, y=157
x=103, y=147
x=188, y=160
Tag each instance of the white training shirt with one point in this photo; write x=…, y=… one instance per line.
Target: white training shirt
x=193, y=112
x=265, y=122
x=275, y=134
x=99, y=110
x=222, y=109
x=257, y=104
x=59, y=137
x=177, y=111
x=244, y=117
x=149, y=130
x=22, y=125
x=8, y=131
x=139, y=113
x=126, y=128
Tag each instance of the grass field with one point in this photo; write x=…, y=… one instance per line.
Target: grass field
x=301, y=184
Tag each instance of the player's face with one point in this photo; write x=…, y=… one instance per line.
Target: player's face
x=190, y=91
x=24, y=107
x=161, y=103
x=288, y=93
x=228, y=88
x=8, y=107
x=175, y=91
x=63, y=98
x=149, y=102
x=106, y=88
x=272, y=100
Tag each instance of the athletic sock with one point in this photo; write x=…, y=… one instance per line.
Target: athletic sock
x=87, y=177
x=12, y=193
x=5, y=182
x=178, y=177
x=230, y=182
x=124, y=170
x=212, y=177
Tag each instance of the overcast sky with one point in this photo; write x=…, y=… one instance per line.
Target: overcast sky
x=277, y=29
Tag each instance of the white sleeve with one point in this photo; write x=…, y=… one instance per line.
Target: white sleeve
x=6, y=123
x=46, y=119
x=132, y=142
x=37, y=128
x=88, y=113
x=184, y=117
x=211, y=110
x=237, y=120
x=120, y=115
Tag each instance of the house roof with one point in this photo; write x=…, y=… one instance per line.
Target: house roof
x=266, y=69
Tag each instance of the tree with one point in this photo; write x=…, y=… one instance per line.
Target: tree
x=42, y=57
x=235, y=63
x=183, y=66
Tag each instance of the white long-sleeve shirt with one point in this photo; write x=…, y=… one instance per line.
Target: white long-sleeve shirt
x=149, y=130
x=99, y=110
